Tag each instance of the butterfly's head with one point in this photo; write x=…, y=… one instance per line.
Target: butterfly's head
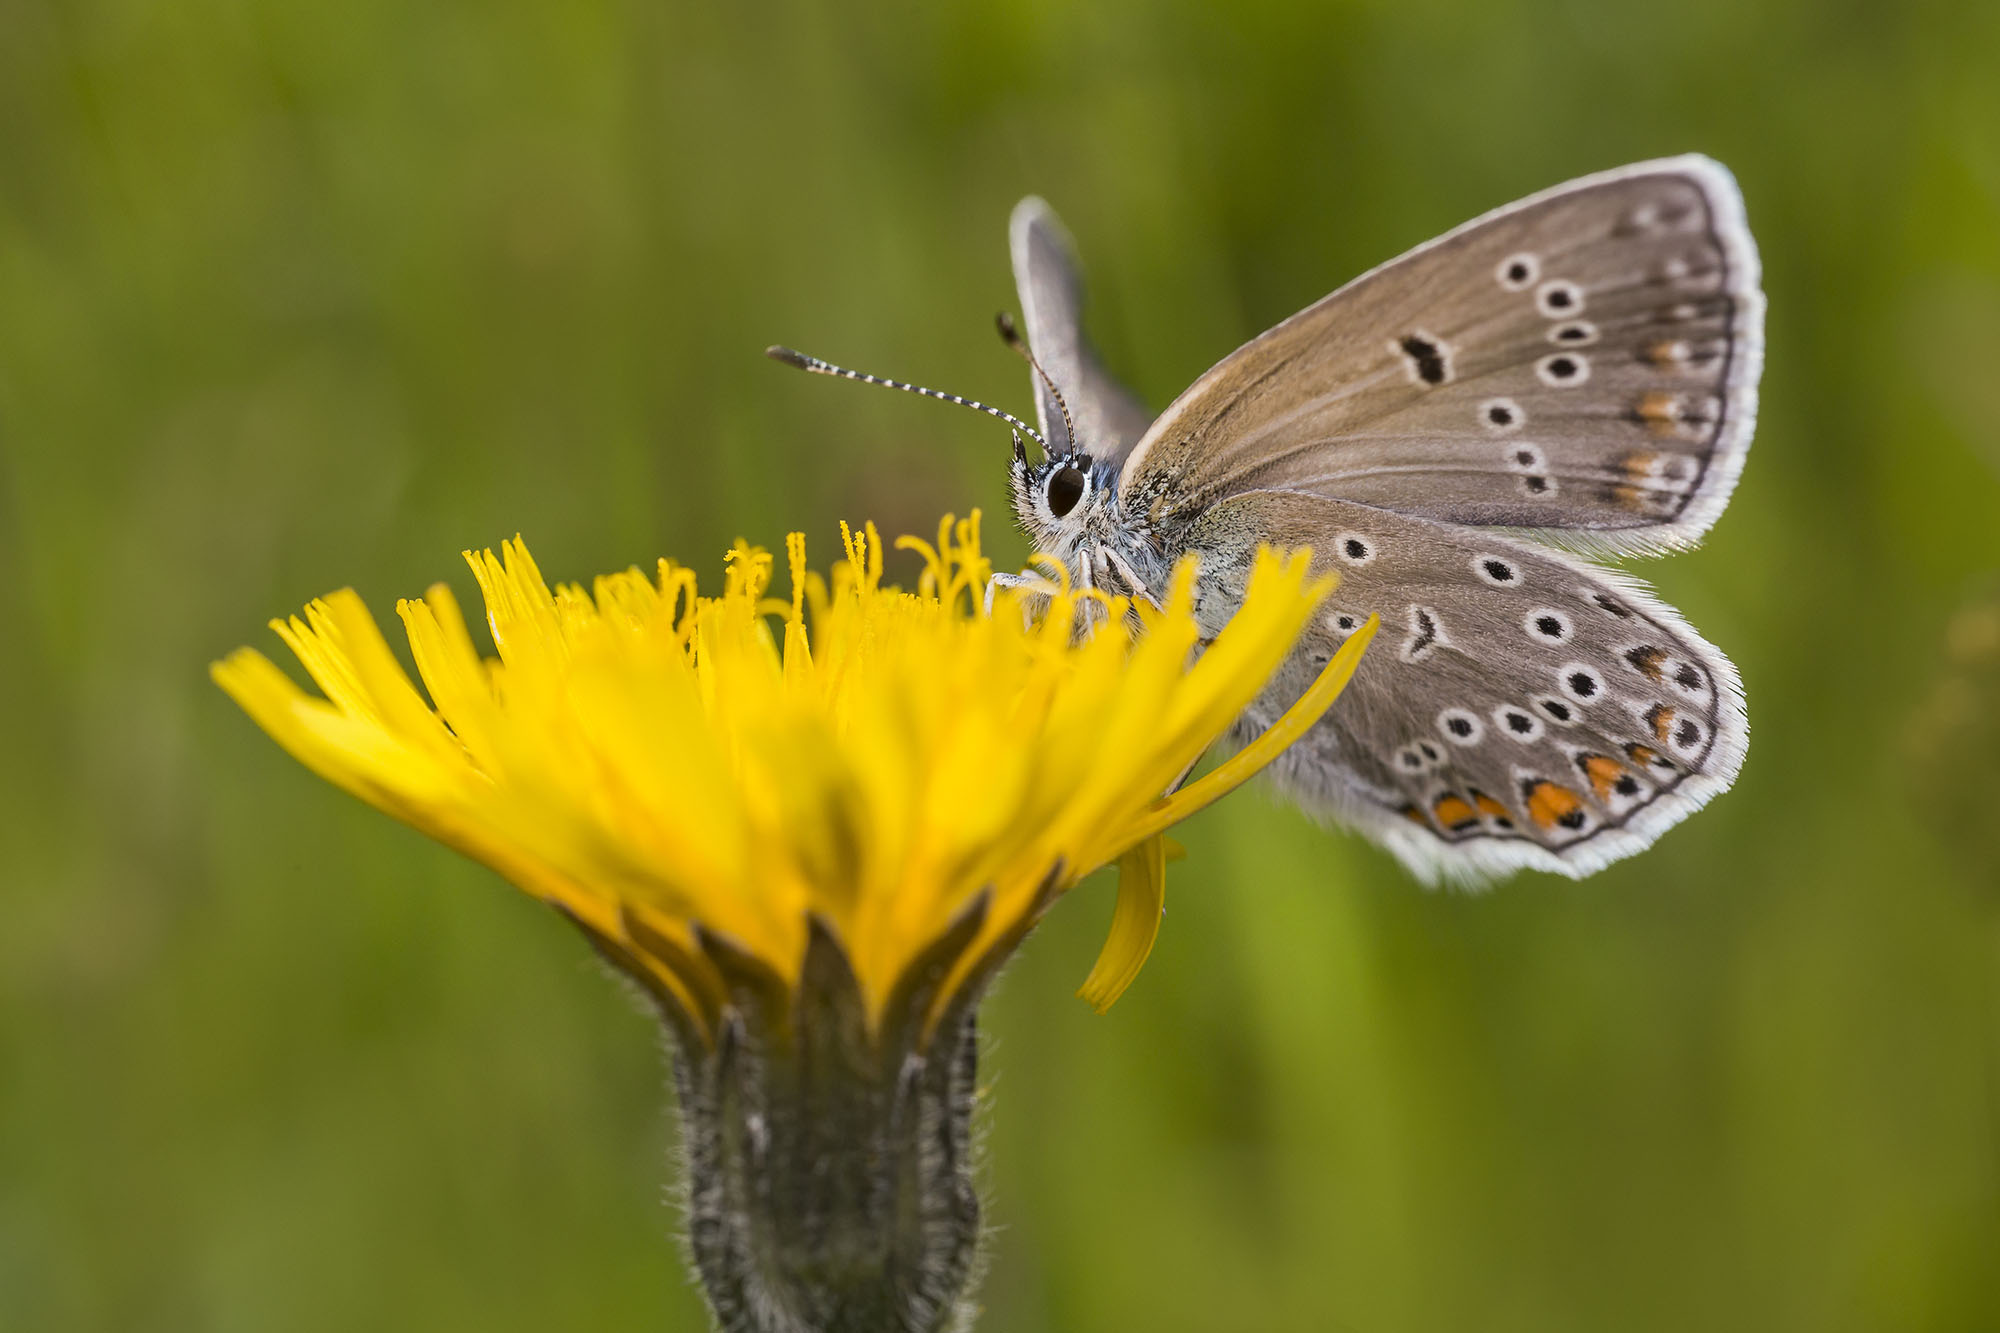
x=1060, y=498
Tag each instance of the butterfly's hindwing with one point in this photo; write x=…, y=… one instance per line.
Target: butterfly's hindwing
x=1583, y=362
x=1518, y=708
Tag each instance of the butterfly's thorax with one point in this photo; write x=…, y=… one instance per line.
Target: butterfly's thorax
x=1163, y=498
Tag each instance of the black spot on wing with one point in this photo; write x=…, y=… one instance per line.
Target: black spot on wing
x=1426, y=632
x=1426, y=356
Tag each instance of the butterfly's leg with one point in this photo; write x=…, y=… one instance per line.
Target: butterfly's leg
x=1097, y=566
x=1123, y=568
x=1025, y=579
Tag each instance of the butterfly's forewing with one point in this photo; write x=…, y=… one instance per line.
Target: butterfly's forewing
x=1518, y=708
x=1583, y=362
x=1109, y=420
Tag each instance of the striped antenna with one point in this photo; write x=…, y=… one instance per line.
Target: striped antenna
x=819, y=367
x=1012, y=337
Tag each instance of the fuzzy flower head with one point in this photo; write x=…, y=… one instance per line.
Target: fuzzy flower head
x=886, y=767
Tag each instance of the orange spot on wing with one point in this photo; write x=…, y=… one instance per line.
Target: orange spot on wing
x=1500, y=815
x=1667, y=352
x=1453, y=812
x=1550, y=805
x=1659, y=405
x=1640, y=463
x=1603, y=774
x=1662, y=719
x=1663, y=414
x=1648, y=661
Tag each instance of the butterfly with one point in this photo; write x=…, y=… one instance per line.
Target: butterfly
x=1453, y=434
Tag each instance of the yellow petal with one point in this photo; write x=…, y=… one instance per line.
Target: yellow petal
x=1135, y=924
x=1245, y=763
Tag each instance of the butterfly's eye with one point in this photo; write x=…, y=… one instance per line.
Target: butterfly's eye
x=1065, y=489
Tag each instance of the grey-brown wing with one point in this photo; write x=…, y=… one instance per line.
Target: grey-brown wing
x=1517, y=708
x=1109, y=420
x=1583, y=362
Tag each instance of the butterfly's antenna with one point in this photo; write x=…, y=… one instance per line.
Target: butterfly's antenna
x=1012, y=337
x=819, y=367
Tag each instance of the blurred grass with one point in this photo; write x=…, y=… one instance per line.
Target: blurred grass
x=294, y=295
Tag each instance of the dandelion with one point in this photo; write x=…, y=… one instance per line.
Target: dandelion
x=811, y=828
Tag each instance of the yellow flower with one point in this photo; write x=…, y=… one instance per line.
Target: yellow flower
x=812, y=845
x=672, y=769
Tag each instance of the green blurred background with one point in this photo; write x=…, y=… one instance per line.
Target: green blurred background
x=296, y=294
